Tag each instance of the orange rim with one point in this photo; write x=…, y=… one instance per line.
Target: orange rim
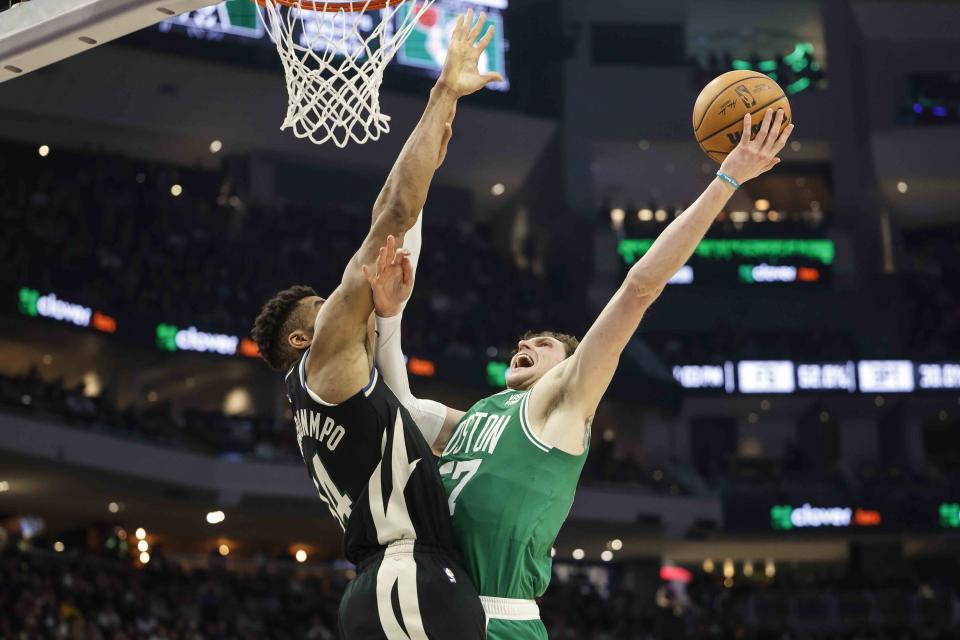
x=335, y=7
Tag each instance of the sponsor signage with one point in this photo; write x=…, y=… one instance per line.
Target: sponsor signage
x=807, y=516
x=31, y=303
x=765, y=273
x=172, y=338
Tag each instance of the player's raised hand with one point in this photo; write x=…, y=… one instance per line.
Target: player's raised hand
x=460, y=71
x=756, y=155
x=390, y=278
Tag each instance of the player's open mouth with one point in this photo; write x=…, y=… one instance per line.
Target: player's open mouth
x=522, y=361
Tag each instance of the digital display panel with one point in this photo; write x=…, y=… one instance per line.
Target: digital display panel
x=750, y=261
x=699, y=376
x=766, y=376
x=885, y=376
x=827, y=377
x=424, y=51
x=938, y=375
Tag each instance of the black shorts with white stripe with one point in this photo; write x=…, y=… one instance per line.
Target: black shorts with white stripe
x=411, y=592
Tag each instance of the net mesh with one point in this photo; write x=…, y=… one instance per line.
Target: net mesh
x=334, y=68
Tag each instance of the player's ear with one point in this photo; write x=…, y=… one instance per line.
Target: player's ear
x=299, y=339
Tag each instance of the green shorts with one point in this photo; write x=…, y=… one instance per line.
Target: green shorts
x=516, y=630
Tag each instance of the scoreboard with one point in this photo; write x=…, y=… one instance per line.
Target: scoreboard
x=789, y=377
x=423, y=53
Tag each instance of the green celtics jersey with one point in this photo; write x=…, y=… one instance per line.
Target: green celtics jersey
x=509, y=494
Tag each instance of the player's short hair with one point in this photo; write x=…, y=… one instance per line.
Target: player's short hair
x=570, y=343
x=275, y=322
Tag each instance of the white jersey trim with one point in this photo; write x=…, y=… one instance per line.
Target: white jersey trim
x=374, y=377
x=525, y=424
x=367, y=390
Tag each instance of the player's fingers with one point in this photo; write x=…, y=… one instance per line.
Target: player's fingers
x=747, y=126
x=761, y=138
x=478, y=27
x=467, y=23
x=784, y=137
x=492, y=77
x=770, y=165
x=366, y=273
x=487, y=38
x=407, y=267
x=775, y=130
x=400, y=256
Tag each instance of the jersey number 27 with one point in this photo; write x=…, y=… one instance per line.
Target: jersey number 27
x=465, y=469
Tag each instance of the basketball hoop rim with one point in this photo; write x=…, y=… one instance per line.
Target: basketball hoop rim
x=335, y=7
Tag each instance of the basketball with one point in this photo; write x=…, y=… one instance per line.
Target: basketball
x=719, y=110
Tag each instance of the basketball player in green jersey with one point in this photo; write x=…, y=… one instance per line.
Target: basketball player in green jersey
x=510, y=464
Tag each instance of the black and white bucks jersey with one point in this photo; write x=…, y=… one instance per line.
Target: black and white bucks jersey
x=371, y=465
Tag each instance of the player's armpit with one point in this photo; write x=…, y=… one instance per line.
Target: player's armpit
x=339, y=364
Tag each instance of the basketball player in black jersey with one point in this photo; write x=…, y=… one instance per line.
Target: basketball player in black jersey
x=363, y=451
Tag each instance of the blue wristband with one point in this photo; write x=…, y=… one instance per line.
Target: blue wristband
x=728, y=179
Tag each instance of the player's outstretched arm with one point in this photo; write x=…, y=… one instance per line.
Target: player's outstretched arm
x=584, y=377
x=391, y=281
x=341, y=323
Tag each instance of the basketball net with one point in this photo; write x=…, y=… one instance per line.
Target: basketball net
x=333, y=72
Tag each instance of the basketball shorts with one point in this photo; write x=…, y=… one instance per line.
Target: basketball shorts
x=411, y=592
